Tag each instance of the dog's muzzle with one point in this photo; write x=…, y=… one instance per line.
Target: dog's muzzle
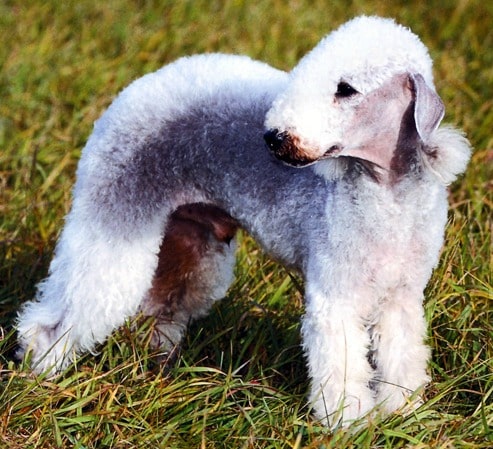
x=289, y=150
x=286, y=148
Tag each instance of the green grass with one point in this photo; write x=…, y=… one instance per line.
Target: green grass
x=240, y=381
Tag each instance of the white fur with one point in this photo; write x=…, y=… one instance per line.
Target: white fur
x=365, y=235
x=448, y=163
x=359, y=53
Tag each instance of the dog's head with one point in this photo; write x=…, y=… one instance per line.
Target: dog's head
x=364, y=92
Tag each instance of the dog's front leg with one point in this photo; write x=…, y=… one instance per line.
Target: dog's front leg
x=401, y=354
x=336, y=343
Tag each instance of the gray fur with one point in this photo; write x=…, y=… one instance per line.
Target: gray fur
x=186, y=158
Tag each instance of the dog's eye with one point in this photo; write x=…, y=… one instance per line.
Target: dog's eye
x=345, y=90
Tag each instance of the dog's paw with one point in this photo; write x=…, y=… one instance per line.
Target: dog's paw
x=344, y=413
x=392, y=398
x=45, y=349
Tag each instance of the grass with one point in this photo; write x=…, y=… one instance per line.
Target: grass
x=240, y=381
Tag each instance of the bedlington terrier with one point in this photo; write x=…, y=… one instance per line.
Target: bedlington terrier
x=355, y=199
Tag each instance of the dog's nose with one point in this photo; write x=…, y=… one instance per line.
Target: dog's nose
x=274, y=139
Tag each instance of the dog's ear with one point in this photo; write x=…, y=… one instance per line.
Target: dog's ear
x=391, y=121
x=428, y=108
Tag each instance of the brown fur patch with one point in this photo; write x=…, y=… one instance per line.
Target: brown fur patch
x=291, y=151
x=209, y=217
x=191, y=230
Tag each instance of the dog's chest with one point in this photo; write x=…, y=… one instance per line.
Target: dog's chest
x=391, y=238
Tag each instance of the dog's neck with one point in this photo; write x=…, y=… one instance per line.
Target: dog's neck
x=406, y=163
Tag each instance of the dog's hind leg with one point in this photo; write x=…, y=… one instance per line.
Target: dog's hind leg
x=97, y=279
x=195, y=268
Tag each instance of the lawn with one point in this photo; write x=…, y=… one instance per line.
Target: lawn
x=240, y=381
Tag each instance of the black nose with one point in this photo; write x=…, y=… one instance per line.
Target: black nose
x=274, y=139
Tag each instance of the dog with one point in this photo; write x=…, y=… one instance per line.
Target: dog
x=338, y=169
